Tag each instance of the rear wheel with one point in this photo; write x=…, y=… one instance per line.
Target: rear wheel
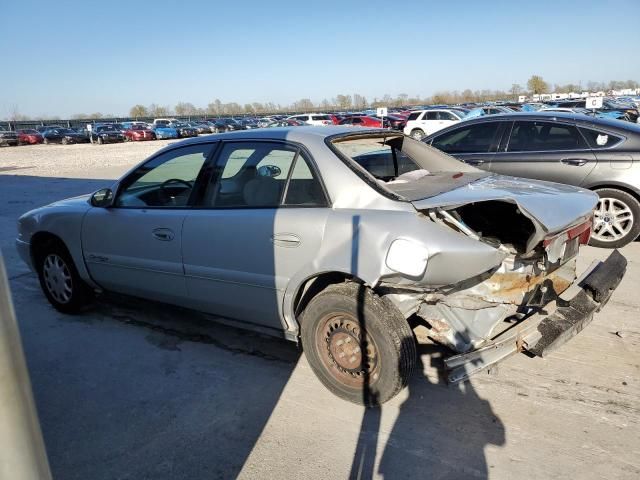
x=59, y=279
x=616, y=219
x=100, y=141
x=417, y=134
x=46, y=141
x=358, y=345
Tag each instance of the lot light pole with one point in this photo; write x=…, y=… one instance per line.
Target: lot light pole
x=22, y=451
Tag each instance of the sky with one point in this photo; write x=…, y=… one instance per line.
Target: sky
x=60, y=58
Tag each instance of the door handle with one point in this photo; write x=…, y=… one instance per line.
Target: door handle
x=285, y=239
x=576, y=162
x=478, y=161
x=164, y=234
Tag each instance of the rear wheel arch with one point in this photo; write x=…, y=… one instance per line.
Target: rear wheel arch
x=315, y=284
x=615, y=186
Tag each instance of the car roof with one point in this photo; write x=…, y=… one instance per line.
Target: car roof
x=301, y=134
x=541, y=115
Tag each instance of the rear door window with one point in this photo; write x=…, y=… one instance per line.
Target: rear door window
x=446, y=116
x=431, y=116
x=598, y=139
x=471, y=139
x=256, y=174
x=544, y=136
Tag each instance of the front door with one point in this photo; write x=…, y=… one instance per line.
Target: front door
x=135, y=246
x=260, y=222
x=474, y=144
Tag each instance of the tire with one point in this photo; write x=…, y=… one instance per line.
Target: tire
x=45, y=141
x=65, y=141
x=59, y=279
x=417, y=134
x=100, y=141
x=346, y=319
x=617, y=219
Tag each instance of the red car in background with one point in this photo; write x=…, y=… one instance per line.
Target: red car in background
x=138, y=133
x=336, y=118
x=362, y=121
x=29, y=137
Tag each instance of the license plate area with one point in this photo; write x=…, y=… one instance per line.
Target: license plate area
x=570, y=249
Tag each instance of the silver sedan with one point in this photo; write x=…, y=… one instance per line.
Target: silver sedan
x=342, y=239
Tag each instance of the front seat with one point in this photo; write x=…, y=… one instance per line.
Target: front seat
x=262, y=192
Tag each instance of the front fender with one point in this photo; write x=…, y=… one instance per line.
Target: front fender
x=63, y=221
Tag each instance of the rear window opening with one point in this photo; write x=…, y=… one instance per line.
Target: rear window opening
x=494, y=222
x=387, y=159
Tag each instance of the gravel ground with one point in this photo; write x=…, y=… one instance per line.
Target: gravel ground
x=135, y=390
x=76, y=161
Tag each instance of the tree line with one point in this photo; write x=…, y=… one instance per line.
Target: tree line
x=346, y=102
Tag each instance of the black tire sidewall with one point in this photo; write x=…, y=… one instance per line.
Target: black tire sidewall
x=80, y=292
x=417, y=131
x=387, y=335
x=633, y=205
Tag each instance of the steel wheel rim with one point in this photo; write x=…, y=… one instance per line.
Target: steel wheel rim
x=349, y=357
x=57, y=278
x=613, y=220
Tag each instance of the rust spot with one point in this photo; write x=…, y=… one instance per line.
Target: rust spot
x=512, y=287
x=457, y=175
x=439, y=325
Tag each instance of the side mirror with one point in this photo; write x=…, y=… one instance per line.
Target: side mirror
x=102, y=198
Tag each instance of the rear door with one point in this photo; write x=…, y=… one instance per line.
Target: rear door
x=544, y=150
x=260, y=221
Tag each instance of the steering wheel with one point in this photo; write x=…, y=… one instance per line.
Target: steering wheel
x=176, y=180
x=168, y=198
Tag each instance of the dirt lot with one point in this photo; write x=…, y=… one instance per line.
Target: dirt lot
x=132, y=390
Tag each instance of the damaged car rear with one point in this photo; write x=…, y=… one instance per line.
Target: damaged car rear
x=337, y=239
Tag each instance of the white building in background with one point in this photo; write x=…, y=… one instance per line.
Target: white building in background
x=571, y=95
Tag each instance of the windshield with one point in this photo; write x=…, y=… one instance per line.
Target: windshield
x=106, y=128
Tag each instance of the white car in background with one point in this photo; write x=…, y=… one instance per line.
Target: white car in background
x=425, y=122
x=313, y=119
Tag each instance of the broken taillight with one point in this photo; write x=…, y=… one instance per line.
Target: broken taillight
x=582, y=231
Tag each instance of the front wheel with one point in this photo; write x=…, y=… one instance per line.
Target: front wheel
x=358, y=345
x=417, y=134
x=616, y=219
x=59, y=279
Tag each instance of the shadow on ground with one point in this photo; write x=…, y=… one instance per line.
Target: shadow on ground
x=441, y=431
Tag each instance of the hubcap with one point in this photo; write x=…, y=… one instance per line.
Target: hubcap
x=57, y=278
x=613, y=220
x=350, y=357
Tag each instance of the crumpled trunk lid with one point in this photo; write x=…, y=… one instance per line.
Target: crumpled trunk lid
x=552, y=207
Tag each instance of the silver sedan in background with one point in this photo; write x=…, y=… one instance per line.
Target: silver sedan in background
x=342, y=239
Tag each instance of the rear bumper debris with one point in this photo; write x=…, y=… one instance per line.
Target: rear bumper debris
x=542, y=333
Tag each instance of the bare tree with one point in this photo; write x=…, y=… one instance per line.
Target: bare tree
x=537, y=85
x=156, y=110
x=185, y=109
x=138, y=111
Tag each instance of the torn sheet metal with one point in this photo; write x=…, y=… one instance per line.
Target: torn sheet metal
x=532, y=198
x=466, y=315
x=546, y=330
